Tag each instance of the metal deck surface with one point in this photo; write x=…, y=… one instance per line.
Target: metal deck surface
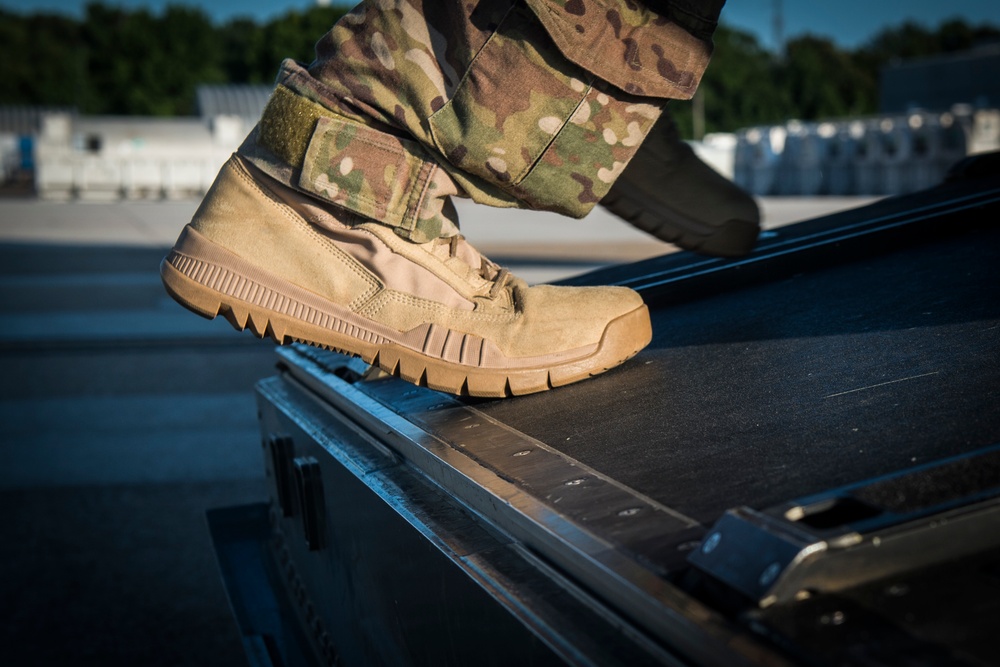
x=843, y=349
x=858, y=350
x=848, y=359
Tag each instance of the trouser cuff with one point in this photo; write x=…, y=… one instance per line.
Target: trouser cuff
x=375, y=174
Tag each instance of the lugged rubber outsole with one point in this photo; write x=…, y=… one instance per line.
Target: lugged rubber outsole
x=271, y=312
x=732, y=238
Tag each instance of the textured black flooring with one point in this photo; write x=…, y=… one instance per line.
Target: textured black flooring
x=759, y=394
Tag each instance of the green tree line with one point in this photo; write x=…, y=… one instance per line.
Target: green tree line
x=812, y=78
x=134, y=62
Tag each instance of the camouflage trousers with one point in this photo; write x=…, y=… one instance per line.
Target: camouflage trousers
x=520, y=103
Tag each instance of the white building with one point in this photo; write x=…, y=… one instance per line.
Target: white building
x=110, y=157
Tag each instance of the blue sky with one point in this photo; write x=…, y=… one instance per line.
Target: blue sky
x=847, y=22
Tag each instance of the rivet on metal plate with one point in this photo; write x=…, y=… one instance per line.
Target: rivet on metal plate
x=769, y=574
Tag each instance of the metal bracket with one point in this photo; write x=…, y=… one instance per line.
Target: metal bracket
x=845, y=537
x=309, y=487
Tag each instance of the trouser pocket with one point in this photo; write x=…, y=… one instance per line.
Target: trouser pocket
x=516, y=95
x=541, y=128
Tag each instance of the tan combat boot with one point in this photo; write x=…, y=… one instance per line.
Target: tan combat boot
x=438, y=314
x=667, y=191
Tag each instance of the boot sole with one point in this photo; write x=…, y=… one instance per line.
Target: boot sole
x=732, y=238
x=210, y=281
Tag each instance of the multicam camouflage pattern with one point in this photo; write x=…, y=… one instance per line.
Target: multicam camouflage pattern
x=375, y=174
x=623, y=42
x=380, y=176
x=423, y=99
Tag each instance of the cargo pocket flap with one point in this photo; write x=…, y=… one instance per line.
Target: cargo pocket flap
x=372, y=173
x=634, y=49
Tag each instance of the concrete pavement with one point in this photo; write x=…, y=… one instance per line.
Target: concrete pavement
x=540, y=246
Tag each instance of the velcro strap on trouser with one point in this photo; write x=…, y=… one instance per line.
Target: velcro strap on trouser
x=380, y=176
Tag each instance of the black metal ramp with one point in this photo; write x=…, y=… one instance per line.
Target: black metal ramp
x=843, y=349
x=802, y=468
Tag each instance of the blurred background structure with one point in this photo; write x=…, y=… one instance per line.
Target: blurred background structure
x=125, y=419
x=135, y=99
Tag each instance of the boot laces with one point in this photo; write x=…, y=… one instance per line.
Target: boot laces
x=488, y=270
